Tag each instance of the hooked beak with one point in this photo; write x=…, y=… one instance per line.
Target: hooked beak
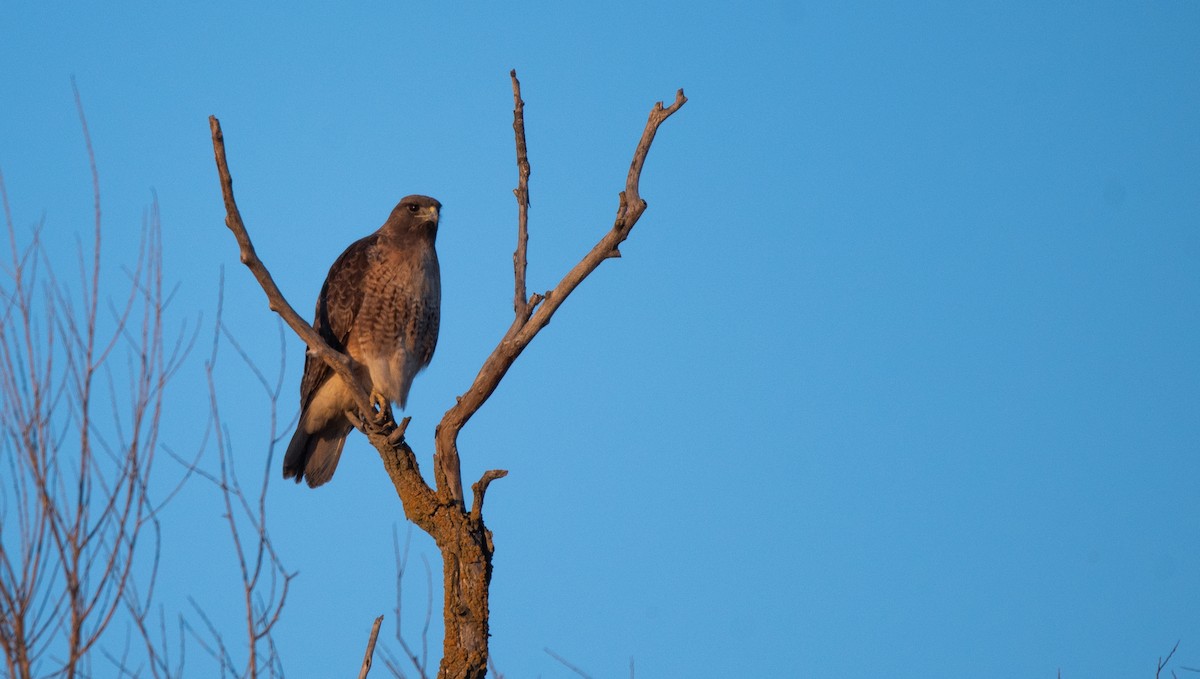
x=429, y=214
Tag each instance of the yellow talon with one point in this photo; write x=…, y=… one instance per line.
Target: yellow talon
x=378, y=400
x=383, y=408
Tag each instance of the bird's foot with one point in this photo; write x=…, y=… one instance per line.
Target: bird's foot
x=382, y=414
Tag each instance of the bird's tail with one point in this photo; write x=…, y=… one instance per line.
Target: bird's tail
x=314, y=457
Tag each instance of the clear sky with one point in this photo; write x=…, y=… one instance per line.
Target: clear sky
x=899, y=375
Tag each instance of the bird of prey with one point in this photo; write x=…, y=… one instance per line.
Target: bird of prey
x=380, y=306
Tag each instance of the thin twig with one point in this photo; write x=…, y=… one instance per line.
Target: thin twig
x=1162, y=662
x=566, y=664
x=401, y=568
x=370, y=654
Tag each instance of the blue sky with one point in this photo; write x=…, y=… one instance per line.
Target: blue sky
x=898, y=375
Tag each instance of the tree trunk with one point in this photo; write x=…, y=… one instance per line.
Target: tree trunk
x=466, y=575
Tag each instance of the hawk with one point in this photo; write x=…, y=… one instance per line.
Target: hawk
x=380, y=305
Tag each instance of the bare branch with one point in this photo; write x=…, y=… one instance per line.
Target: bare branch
x=366, y=663
x=480, y=487
x=1163, y=662
x=521, y=306
x=522, y=332
x=566, y=664
x=233, y=219
x=658, y=115
x=263, y=601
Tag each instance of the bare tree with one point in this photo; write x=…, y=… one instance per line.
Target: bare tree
x=462, y=538
x=82, y=378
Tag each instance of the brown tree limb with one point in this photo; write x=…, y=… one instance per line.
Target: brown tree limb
x=366, y=663
x=448, y=473
x=316, y=345
x=521, y=305
x=480, y=487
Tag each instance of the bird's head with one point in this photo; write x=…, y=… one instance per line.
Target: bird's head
x=415, y=215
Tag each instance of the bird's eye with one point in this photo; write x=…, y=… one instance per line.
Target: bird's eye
x=413, y=208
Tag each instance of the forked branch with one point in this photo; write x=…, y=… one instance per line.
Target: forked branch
x=535, y=313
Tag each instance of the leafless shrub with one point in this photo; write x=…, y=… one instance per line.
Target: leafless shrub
x=264, y=579
x=82, y=375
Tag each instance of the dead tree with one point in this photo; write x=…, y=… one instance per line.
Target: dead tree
x=462, y=538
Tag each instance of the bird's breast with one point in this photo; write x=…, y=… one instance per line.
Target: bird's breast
x=398, y=322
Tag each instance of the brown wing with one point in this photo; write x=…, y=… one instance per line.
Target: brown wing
x=429, y=318
x=337, y=307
